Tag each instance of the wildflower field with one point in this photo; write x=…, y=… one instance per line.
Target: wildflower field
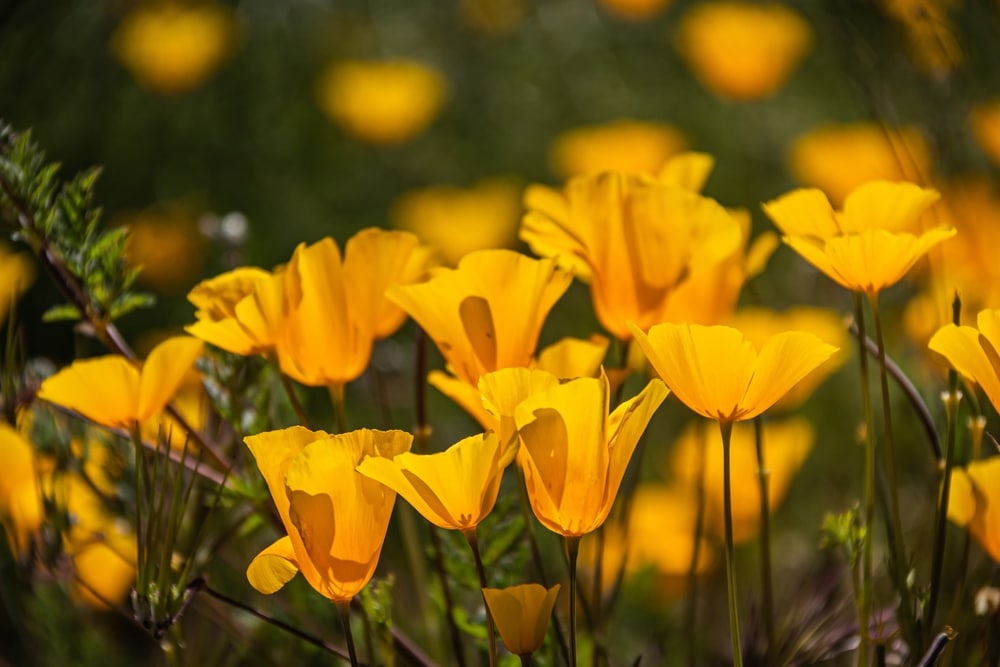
x=500, y=332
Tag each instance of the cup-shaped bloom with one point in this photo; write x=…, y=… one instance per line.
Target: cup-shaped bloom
x=336, y=518
x=238, y=311
x=632, y=146
x=840, y=158
x=719, y=374
x=743, y=50
x=115, y=392
x=974, y=502
x=635, y=239
x=488, y=313
x=16, y=275
x=454, y=489
x=871, y=243
x=973, y=351
x=171, y=47
x=387, y=102
x=522, y=614
x=456, y=221
x=574, y=454
x=21, y=511
x=335, y=308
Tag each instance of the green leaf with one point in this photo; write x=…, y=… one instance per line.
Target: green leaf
x=62, y=313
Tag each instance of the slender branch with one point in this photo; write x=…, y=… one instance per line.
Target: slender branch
x=763, y=475
x=865, y=601
x=726, y=429
x=473, y=540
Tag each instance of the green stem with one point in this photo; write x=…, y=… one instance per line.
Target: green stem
x=764, y=475
x=865, y=602
x=473, y=540
x=897, y=547
x=345, y=620
x=572, y=551
x=691, y=611
x=726, y=428
x=449, y=604
x=337, y=399
x=293, y=397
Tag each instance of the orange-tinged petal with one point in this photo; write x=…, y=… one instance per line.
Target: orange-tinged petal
x=163, y=372
x=522, y=615
x=502, y=391
x=803, y=212
x=965, y=349
x=274, y=452
x=889, y=205
x=273, y=567
x=784, y=360
x=465, y=396
x=574, y=357
x=976, y=496
x=626, y=425
x=104, y=390
x=961, y=499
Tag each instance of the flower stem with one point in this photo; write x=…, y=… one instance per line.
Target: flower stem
x=337, y=399
x=726, y=429
x=572, y=551
x=764, y=475
x=293, y=397
x=473, y=540
x=691, y=611
x=865, y=601
x=344, y=607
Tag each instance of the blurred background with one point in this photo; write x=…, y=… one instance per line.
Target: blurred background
x=230, y=132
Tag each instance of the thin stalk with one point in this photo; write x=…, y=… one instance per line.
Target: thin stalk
x=345, y=620
x=473, y=540
x=865, y=602
x=897, y=547
x=527, y=660
x=726, y=429
x=763, y=474
x=691, y=607
x=337, y=400
x=449, y=604
x=293, y=398
x=572, y=552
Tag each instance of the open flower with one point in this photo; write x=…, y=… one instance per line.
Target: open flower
x=871, y=243
x=522, y=615
x=238, y=311
x=574, y=454
x=634, y=238
x=118, y=393
x=454, y=489
x=336, y=518
x=973, y=352
x=742, y=50
x=386, y=102
x=719, y=374
x=975, y=502
x=632, y=146
x=172, y=47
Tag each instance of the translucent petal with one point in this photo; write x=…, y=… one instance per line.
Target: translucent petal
x=273, y=567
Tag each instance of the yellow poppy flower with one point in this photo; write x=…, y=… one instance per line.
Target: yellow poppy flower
x=173, y=47
x=985, y=121
x=522, y=614
x=871, y=243
x=929, y=32
x=632, y=146
x=743, y=50
x=719, y=374
x=238, y=311
x=973, y=352
x=17, y=272
x=387, y=102
x=167, y=246
x=974, y=502
x=633, y=238
x=335, y=517
x=21, y=511
x=574, y=454
x=759, y=324
x=454, y=489
x=786, y=446
x=840, y=158
x=115, y=392
x=457, y=221
x=335, y=309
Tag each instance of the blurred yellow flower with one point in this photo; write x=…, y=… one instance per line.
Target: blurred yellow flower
x=17, y=272
x=336, y=518
x=786, y=445
x=632, y=146
x=985, y=121
x=173, y=47
x=115, y=392
x=840, y=158
x=238, y=311
x=167, y=246
x=742, y=50
x=871, y=243
x=382, y=102
x=974, y=502
x=973, y=351
x=759, y=324
x=634, y=10
x=456, y=221
x=494, y=17
x=21, y=511
x=574, y=454
x=454, y=489
x=721, y=375
x=633, y=238
x=929, y=33
x=522, y=615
